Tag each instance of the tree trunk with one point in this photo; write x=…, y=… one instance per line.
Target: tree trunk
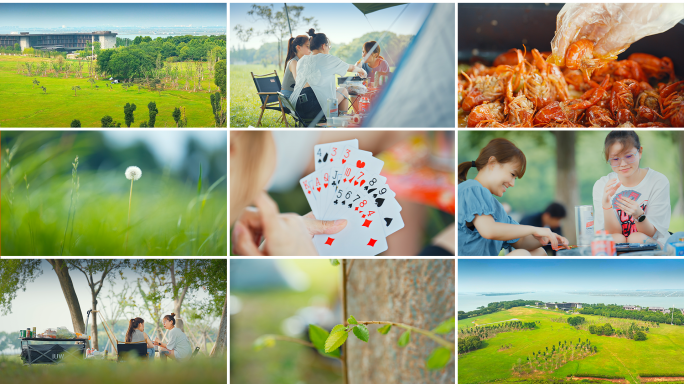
x=679, y=207
x=221, y=338
x=567, y=189
x=62, y=271
x=93, y=325
x=420, y=293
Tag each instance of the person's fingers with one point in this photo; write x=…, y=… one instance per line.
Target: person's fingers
x=320, y=227
x=243, y=242
x=268, y=209
x=554, y=240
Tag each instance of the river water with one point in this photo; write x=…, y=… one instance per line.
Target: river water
x=471, y=301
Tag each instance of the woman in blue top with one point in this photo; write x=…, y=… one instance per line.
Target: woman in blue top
x=484, y=227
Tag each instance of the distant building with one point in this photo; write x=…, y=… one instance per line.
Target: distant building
x=59, y=41
x=657, y=309
x=666, y=311
x=568, y=306
x=550, y=305
x=632, y=308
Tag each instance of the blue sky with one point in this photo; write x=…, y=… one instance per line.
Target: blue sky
x=340, y=22
x=123, y=15
x=527, y=275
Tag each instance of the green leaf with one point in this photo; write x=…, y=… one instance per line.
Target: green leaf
x=385, y=329
x=446, y=326
x=318, y=336
x=404, y=339
x=438, y=359
x=334, y=262
x=338, y=327
x=352, y=320
x=199, y=182
x=361, y=332
x=264, y=341
x=335, y=340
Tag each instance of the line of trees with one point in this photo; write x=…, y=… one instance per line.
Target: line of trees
x=575, y=320
x=555, y=357
x=612, y=310
x=468, y=343
x=485, y=332
x=495, y=307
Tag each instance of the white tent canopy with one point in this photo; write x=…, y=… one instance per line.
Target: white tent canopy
x=422, y=91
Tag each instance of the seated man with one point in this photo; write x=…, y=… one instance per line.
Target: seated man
x=550, y=218
x=178, y=347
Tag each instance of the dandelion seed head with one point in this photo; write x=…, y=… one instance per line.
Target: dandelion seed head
x=133, y=173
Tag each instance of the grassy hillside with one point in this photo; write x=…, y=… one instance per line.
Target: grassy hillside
x=25, y=105
x=662, y=353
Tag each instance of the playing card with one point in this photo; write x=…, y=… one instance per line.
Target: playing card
x=627, y=193
x=307, y=187
x=329, y=154
x=347, y=185
x=359, y=237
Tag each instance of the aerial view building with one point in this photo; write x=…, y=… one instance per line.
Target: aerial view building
x=59, y=41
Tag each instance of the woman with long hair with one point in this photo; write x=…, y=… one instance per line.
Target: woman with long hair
x=631, y=203
x=178, y=347
x=136, y=333
x=297, y=47
x=315, y=81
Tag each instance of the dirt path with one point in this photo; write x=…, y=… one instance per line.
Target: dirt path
x=623, y=381
x=661, y=379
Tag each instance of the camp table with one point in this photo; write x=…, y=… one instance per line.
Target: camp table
x=50, y=353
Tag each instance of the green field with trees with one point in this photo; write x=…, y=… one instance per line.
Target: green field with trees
x=555, y=349
x=184, y=76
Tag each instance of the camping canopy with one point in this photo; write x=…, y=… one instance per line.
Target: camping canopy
x=422, y=91
x=367, y=8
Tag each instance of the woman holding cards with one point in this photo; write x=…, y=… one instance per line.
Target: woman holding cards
x=315, y=80
x=631, y=203
x=484, y=227
x=252, y=161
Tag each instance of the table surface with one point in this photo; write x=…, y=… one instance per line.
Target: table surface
x=47, y=339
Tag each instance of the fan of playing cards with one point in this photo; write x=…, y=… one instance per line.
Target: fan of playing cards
x=347, y=185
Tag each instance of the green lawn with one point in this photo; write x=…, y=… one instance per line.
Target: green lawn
x=245, y=103
x=25, y=105
x=663, y=352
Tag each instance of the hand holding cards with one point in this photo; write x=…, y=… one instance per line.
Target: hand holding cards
x=347, y=185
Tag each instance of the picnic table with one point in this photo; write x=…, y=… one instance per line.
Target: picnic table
x=586, y=251
x=49, y=353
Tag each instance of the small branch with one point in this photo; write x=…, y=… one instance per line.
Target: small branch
x=351, y=262
x=427, y=333
x=345, y=378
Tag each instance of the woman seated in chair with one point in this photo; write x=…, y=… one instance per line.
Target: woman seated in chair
x=315, y=80
x=375, y=62
x=178, y=347
x=297, y=48
x=136, y=333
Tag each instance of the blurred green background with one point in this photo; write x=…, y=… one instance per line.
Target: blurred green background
x=537, y=188
x=169, y=214
x=76, y=371
x=282, y=297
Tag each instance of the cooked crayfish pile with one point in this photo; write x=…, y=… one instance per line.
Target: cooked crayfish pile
x=521, y=89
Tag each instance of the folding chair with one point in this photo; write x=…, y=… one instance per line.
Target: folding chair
x=268, y=86
x=138, y=348
x=195, y=352
x=290, y=110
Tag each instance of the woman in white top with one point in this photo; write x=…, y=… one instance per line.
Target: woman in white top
x=315, y=80
x=631, y=203
x=178, y=346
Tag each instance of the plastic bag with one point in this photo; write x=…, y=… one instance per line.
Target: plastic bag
x=355, y=87
x=63, y=333
x=611, y=27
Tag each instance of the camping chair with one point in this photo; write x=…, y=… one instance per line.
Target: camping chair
x=139, y=348
x=195, y=352
x=266, y=86
x=290, y=110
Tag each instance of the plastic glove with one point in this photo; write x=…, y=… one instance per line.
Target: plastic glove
x=611, y=27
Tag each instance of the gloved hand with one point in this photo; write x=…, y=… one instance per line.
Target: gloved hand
x=611, y=27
